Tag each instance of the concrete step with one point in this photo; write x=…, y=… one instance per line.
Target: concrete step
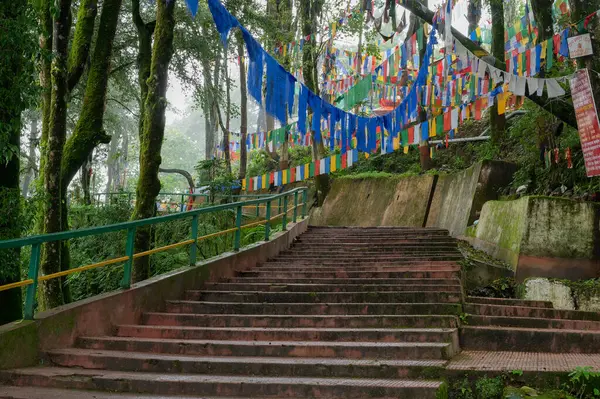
x=211, y=365
x=523, y=311
x=291, y=334
x=269, y=287
x=379, y=257
x=437, y=274
x=312, y=309
x=324, y=297
x=300, y=321
x=529, y=340
x=354, y=262
x=371, y=250
x=344, y=281
x=350, y=244
x=532, y=322
x=242, y=386
x=347, y=350
x=15, y=392
x=352, y=268
x=509, y=302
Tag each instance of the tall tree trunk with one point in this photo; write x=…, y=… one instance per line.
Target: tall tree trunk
x=52, y=295
x=148, y=185
x=14, y=79
x=31, y=158
x=227, y=113
x=497, y=122
x=542, y=11
x=86, y=176
x=309, y=12
x=243, y=109
x=144, y=57
x=473, y=14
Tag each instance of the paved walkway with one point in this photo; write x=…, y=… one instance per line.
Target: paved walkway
x=526, y=361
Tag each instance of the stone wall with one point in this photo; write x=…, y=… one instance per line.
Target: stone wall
x=542, y=236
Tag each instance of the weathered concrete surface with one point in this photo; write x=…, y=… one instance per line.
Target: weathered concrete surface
x=542, y=236
x=459, y=197
x=447, y=201
x=21, y=343
x=377, y=201
x=542, y=289
x=481, y=274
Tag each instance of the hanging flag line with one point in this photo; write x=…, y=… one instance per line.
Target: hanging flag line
x=280, y=86
x=446, y=123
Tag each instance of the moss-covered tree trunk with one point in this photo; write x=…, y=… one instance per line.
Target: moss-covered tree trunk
x=65, y=157
x=52, y=295
x=144, y=56
x=148, y=185
x=497, y=122
x=542, y=11
x=243, y=109
x=309, y=13
x=226, y=149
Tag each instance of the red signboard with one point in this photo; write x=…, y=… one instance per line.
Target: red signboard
x=587, y=121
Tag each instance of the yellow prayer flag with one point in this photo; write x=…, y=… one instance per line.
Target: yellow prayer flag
x=243, y=184
x=544, y=49
x=432, y=128
x=265, y=181
x=306, y=171
x=284, y=176
x=396, y=143
x=366, y=155
x=520, y=64
x=501, y=104
x=332, y=160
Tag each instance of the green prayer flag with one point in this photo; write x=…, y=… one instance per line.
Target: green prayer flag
x=311, y=169
x=404, y=136
x=439, y=125
x=420, y=37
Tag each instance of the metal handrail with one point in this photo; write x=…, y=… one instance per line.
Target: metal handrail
x=37, y=241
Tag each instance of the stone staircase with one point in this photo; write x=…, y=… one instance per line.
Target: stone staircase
x=344, y=313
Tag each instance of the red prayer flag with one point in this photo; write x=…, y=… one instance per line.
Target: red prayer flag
x=556, y=39
x=411, y=135
x=344, y=160
x=478, y=109
x=447, y=123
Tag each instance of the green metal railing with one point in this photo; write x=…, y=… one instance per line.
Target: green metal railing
x=183, y=197
x=36, y=242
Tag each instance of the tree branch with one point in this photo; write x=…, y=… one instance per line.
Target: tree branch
x=182, y=172
x=562, y=112
x=82, y=41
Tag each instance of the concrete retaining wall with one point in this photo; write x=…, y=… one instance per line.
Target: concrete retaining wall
x=21, y=343
x=447, y=201
x=378, y=201
x=542, y=236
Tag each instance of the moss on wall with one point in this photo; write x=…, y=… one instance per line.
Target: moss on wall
x=19, y=345
x=503, y=223
x=560, y=228
x=382, y=200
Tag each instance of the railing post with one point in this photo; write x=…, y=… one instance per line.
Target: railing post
x=268, y=223
x=127, y=270
x=193, y=248
x=182, y=203
x=295, y=206
x=284, y=219
x=238, y=231
x=304, y=200
x=34, y=264
x=279, y=205
x=257, y=210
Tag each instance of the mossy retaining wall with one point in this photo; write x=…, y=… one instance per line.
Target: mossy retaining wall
x=375, y=201
x=542, y=236
x=447, y=201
